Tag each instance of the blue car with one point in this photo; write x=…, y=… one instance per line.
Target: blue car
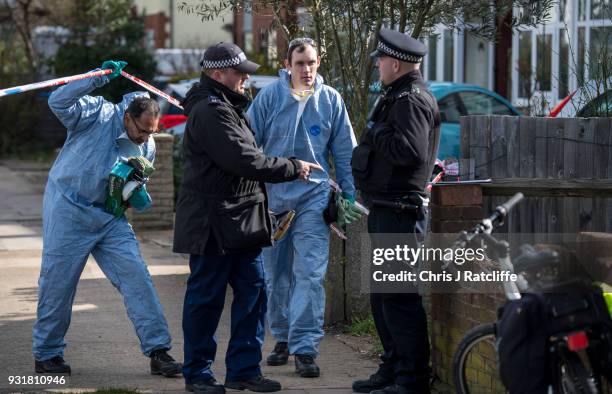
x=457, y=99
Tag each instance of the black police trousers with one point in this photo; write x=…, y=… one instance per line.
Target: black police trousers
x=400, y=318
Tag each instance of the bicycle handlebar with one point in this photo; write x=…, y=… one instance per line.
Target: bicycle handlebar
x=497, y=218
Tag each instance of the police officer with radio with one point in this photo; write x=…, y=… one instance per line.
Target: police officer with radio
x=391, y=167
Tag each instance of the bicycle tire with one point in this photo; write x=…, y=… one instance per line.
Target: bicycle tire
x=572, y=375
x=472, y=338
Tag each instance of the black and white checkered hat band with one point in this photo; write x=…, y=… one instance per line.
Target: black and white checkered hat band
x=225, y=63
x=398, y=55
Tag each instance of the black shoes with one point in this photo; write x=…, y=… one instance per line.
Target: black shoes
x=258, y=384
x=163, y=364
x=374, y=382
x=280, y=354
x=210, y=386
x=306, y=367
x=53, y=365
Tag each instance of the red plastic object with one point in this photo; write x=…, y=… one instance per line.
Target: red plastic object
x=169, y=121
x=555, y=111
x=577, y=341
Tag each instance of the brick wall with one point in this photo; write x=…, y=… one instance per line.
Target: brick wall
x=161, y=189
x=158, y=24
x=455, y=208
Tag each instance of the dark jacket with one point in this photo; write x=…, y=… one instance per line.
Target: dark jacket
x=398, y=148
x=223, y=193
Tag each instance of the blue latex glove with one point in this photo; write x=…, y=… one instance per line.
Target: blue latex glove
x=116, y=65
x=347, y=211
x=140, y=199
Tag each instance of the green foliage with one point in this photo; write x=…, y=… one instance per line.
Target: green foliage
x=366, y=327
x=19, y=114
x=363, y=326
x=105, y=30
x=265, y=68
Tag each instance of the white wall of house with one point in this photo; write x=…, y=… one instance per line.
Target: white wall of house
x=189, y=31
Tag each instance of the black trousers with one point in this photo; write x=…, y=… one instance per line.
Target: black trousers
x=400, y=318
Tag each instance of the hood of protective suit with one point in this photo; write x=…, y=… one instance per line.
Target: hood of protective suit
x=127, y=99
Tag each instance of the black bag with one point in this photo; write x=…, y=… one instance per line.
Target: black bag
x=524, y=359
x=525, y=326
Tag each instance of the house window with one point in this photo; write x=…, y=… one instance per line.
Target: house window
x=449, y=53
x=564, y=9
x=563, y=63
x=581, y=10
x=600, y=52
x=581, y=55
x=559, y=56
x=601, y=9
x=524, y=65
x=544, y=63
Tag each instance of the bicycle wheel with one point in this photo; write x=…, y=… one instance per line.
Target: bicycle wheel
x=475, y=363
x=573, y=376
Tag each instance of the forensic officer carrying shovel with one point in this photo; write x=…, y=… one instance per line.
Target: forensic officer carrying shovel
x=391, y=167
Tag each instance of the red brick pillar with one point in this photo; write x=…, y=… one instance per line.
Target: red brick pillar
x=455, y=208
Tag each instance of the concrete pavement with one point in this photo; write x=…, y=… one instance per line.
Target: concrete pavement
x=102, y=346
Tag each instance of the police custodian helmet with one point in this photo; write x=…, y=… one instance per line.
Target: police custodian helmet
x=399, y=46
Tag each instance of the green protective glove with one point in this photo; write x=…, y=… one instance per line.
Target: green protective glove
x=347, y=211
x=116, y=65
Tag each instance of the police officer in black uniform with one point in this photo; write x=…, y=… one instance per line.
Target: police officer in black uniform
x=222, y=222
x=391, y=167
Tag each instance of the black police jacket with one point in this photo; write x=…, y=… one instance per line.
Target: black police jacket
x=223, y=193
x=398, y=148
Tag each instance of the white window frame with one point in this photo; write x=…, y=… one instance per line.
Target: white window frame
x=571, y=24
x=459, y=58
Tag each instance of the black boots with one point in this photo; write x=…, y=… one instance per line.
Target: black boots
x=258, y=384
x=209, y=386
x=53, y=365
x=280, y=354
x=306, y=367
x=163, y=364
x=374, y=382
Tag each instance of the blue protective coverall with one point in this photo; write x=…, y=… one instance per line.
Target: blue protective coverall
x=295, y=266
x=76, y=225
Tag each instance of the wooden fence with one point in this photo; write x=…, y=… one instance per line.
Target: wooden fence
x=563, y=166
